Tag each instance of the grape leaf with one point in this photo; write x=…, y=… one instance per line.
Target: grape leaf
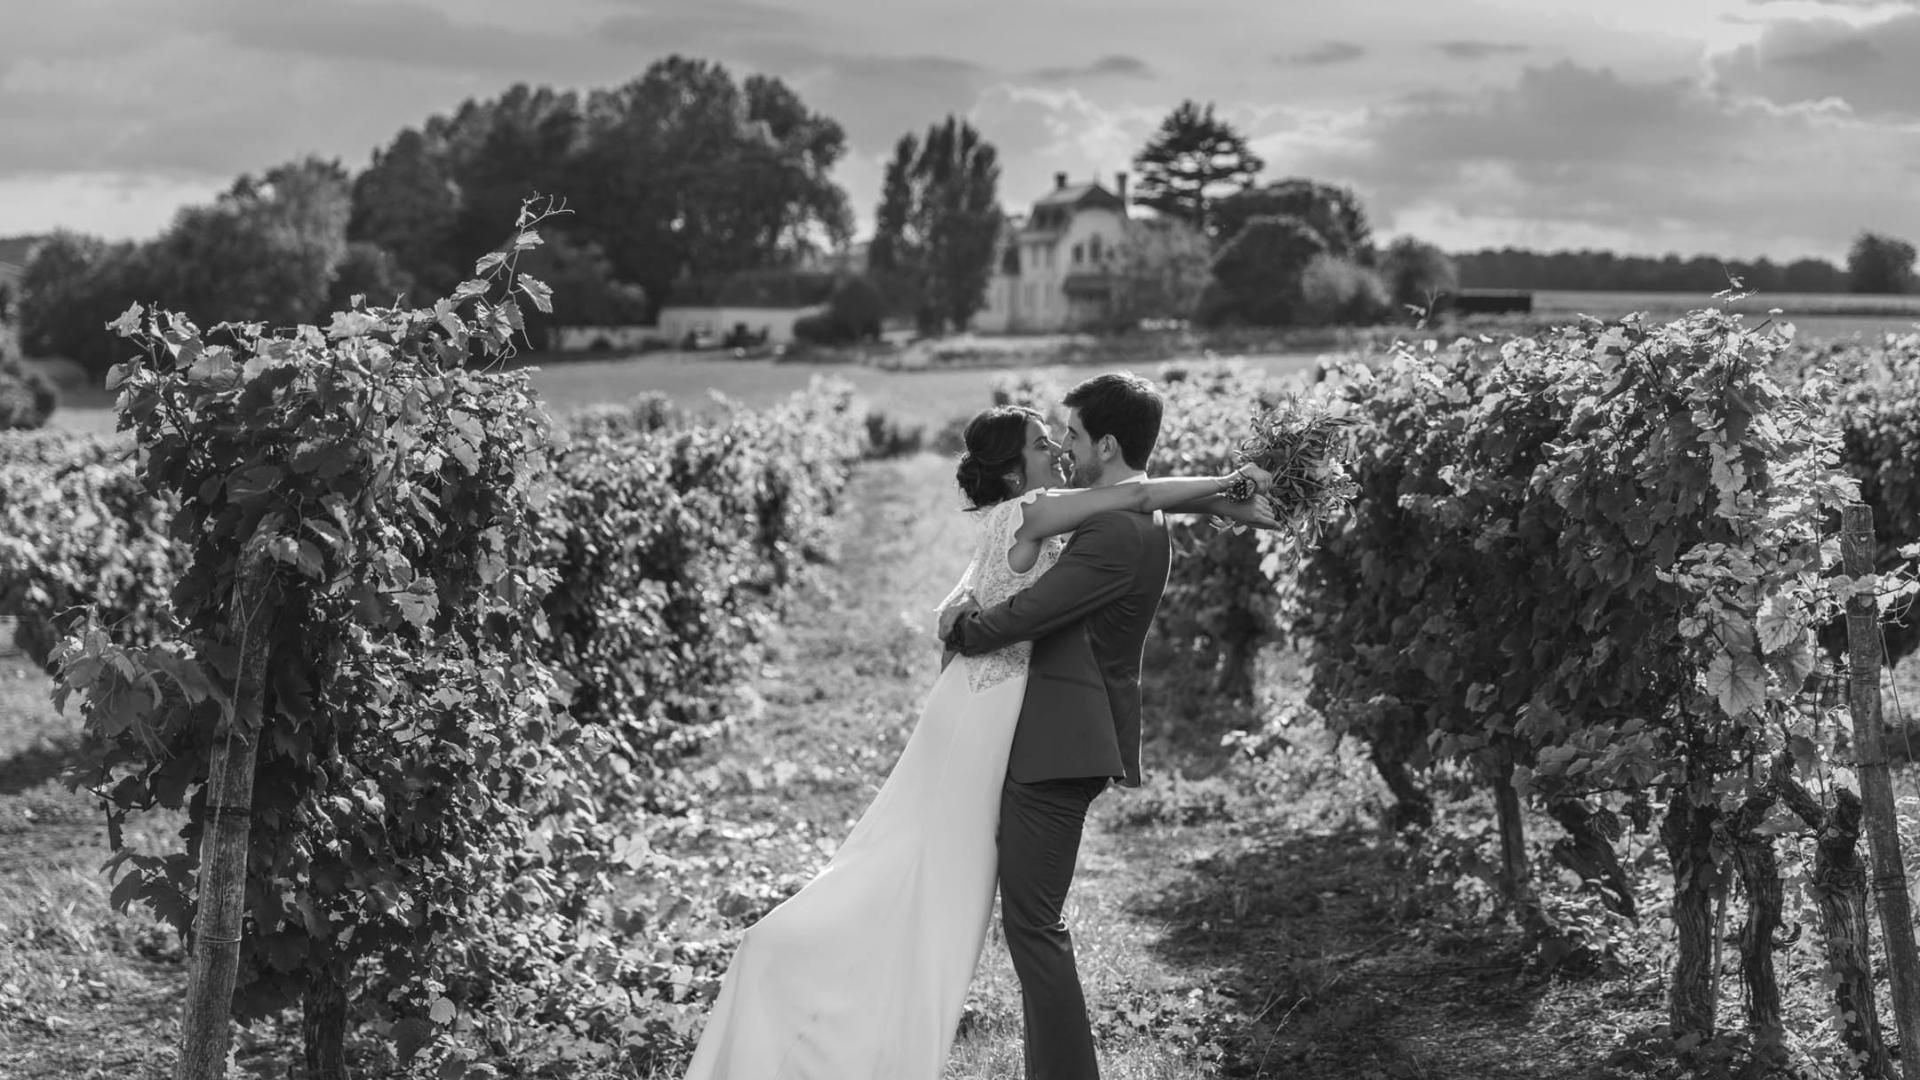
x=1739, y=683
x=538, y=292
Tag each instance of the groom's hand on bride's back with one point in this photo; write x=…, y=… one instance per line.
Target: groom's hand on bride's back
x=966, y=605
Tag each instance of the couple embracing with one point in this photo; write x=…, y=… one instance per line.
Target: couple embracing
x=862, y=974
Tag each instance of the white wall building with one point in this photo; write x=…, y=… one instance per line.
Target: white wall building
x=715, y=322
x=762, y=302
x=1055, y=267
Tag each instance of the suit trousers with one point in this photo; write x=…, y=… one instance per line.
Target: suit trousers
x=1039, y=837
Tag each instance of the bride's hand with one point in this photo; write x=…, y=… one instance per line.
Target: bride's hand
x=1262, y=479
x=951, y=615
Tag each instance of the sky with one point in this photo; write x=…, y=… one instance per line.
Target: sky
x=1738, y=128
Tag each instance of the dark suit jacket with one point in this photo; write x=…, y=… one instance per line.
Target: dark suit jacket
x=1088, y=618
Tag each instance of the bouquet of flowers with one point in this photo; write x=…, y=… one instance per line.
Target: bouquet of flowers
x=1310, y=453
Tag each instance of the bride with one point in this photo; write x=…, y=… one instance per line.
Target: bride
x=863, y=973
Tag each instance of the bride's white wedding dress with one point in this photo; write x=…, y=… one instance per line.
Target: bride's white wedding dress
x=862, y=974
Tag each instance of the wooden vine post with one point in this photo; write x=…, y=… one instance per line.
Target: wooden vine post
x=206, y=1023
x=1876, y=786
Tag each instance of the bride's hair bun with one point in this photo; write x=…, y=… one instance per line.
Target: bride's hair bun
x=996, y=442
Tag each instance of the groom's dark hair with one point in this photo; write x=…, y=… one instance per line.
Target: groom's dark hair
x=1123, y=405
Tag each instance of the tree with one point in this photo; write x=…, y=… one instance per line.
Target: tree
x=896, y=253
x=1880, y=264
x=793, y=209
x=687, y=175
x=27, y=396
x=1257, y=276
x=1163, y=271
x=368, y=270
x=522, y=145
x=405, y=203
x=265, y=251
x=1417, y=274
x=71, y=289
x=1514, y=268
x=1333, y=212
x=680, y=175
x=436, y=197
x=938, y=221
x=1192, y=160
x=1812, y=275
x=585, y=292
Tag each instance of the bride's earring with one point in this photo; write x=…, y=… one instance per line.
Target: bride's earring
x=1017, y=483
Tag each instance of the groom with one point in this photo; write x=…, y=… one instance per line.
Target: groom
x=1079, y=726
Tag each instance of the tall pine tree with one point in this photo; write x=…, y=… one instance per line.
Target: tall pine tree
x=1192, y=160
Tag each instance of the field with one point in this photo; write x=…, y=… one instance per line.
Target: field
x=933, y=396
x=927, y=398
x=1816, y=315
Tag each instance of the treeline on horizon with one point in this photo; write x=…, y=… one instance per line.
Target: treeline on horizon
x=676, y=180
x=1604, y=271
x=689, y=185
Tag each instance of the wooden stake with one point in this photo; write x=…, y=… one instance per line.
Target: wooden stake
x=1889, y=881
x=205, y=1027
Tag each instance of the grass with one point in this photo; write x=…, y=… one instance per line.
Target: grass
x=83, y=991
x=1815, y=316
x=934, y=396
x=1609, y=303
x=929, y=398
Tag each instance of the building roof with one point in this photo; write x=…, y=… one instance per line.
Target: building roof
x=1052, y=211
x=1072, y=194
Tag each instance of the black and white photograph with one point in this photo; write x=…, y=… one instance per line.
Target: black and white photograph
x=910, y=540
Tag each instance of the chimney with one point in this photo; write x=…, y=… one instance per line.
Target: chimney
x=1059, y=181
x=1120, y=186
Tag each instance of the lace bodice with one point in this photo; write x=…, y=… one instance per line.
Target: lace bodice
x=991, y=580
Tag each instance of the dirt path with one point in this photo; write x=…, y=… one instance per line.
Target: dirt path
x=1254, y=923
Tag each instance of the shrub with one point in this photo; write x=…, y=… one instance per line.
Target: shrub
x=887, y=438
x=1257, y=275
x=1336, y=291
x=816, y=328
x=27, y=397
x=857, y=309
x=852, y=314
x=1417, y=273
x=646, y=413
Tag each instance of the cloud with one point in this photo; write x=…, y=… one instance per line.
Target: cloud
x=710, y=25
x=1836, y=56
x=1573, y=152
x=1479, y=50
x=402, y=32
x=1131, y=67
x=1041, y=130
x=1821, y=59
x=1326, y=55
x=1813, y=60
